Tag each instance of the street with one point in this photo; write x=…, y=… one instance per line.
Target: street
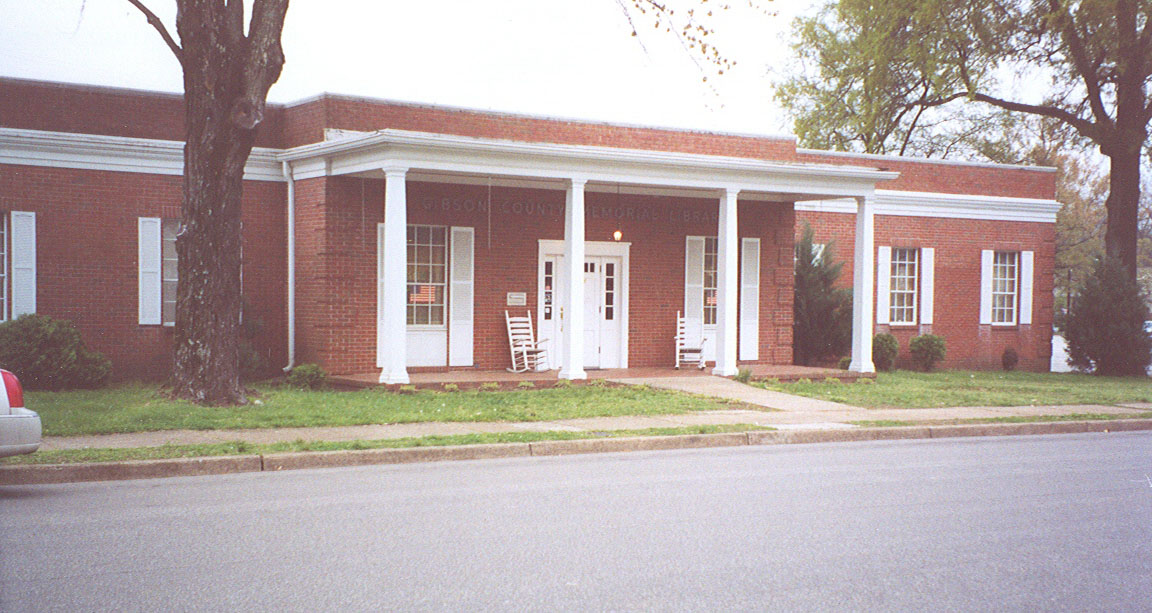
x=1058, y=522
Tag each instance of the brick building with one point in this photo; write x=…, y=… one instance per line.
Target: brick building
x=389, y=237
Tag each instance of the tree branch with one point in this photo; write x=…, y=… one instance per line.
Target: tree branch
x=159, y=25
x=1089, y=129
x=1080, y=60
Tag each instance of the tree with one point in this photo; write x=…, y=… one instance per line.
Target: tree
x=822, y=312
x=888, y=69
x=1105, y=327
x=227, y=74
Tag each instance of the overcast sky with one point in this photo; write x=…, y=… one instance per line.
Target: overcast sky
x=566, y=58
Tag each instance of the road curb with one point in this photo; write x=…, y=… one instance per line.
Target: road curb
x=187, y=467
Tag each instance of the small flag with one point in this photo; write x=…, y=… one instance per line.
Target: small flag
x=424, y=294
x=711, y=300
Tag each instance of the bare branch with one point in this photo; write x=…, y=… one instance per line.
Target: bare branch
x=159, y=25
x=1089, y=129
x=1086, y=67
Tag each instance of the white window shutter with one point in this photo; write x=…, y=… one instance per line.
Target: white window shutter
x=460, y=326
x=1026, y=266
x=380, y=343
x=149, y=265
x=883, y=283
x=750, y=299
x=927, y=283
x=986, y=257
x=694, y=279
x=23, y=263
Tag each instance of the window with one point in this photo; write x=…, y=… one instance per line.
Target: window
x=609, y=291
x=710, y=280
x=902, y=291
x=549, y=273
x=1005, y=285
x=169, y=229
x=4, y=267
x=427, y=274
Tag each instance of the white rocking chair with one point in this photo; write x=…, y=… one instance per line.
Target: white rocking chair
x=527, y=355
x=689, y=342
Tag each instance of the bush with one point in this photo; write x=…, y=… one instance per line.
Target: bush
x=525, y=385
x=1105, y=328
x=451, y=387
x=822, y=312
x=743, y=375
x=490, y=386
x=308, y=376
x=845, y=363
x=884, y=350
x=48, y=354
x=927, y=350
x=1009, y=359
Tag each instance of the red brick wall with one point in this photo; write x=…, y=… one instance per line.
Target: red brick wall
x=956, y=315
x=336, y=255
x=65, y=107
x=304, y=123
x=86, y=243
x=935, y=176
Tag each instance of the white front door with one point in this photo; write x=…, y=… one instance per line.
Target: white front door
x=603, y=310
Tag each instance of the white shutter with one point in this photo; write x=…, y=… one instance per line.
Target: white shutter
x=883, y=283
x=460, y=326
x=986, y=257
x=927, y=283
x=23, y=263
x=750, y=299
x=380, y=341
x=1026, y=266
x=694, y=280
x=149, y=266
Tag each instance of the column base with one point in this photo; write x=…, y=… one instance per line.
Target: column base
x=725, y=372
x=575, y=374
x=399, y=377
x=856, y=366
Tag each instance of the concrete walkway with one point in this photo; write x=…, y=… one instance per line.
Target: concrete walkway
x=782, y=411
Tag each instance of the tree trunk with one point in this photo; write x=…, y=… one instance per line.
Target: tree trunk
x=1123, y=204
x=226, y=80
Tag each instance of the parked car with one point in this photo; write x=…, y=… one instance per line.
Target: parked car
x=19, y=427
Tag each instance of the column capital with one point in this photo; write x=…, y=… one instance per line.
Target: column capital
x=394, y=170
x=577, y=182
x=730, y=191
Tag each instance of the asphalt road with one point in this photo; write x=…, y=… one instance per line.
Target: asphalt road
x=1015, y=523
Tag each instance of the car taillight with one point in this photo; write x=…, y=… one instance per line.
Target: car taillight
x=15, y=391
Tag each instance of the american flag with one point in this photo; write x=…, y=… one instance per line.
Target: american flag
x=710, y=300
x=424, y=294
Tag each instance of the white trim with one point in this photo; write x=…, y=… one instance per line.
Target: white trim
x=461, y=296
x=1026, y=277
x=149, y=250
x=953, y=206
x=749, y=299
x=116, y=154
x=914, y=160
x=883, y=283
x=986, y=258
x=23, y=284
x=927, y=284
x=381, y=346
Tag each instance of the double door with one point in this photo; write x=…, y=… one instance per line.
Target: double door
x=603, y=304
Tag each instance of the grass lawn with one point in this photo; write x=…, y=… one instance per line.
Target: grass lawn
x=1014, y=419
x=958, y=388
x=74, y=456
x=141, y=408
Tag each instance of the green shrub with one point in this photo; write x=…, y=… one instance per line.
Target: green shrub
x=562, y=384
x=526, y=385
x=1009, y=359
x=597, y=383
x=831, y=380
x=490, y=386
x=844, y=363
x=308, y=376
x=1105, y=328
x=407, y=389
x=48, y=354
x=927, y=350
x=822, y=312
x=451, y=387
x=743, y=375
x=884, y=350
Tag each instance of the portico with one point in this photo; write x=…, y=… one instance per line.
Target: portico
x=724, y=288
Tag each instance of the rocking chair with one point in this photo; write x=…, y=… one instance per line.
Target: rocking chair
x=689, y=342
x=527, y=355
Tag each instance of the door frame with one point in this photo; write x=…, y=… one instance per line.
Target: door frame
x=554, y=248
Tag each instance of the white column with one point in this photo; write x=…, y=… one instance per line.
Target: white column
x=862, y=275
x=727, y=282
x=573, y=358
x=391, y=330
